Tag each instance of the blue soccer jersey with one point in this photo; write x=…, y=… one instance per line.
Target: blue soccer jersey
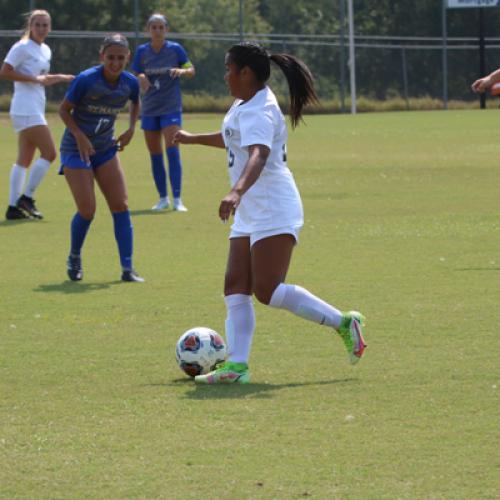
x=164, y=95
x=96, y=106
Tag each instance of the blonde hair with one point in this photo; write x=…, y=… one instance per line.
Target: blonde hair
x=29, y=20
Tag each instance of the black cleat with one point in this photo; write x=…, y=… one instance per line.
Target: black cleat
x=28, y=205
x=14, y=213
x=132, y=276
x=75, y=272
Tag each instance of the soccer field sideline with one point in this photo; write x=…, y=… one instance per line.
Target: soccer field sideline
x=402, y=221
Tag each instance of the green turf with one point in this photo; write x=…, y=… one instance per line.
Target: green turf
x=402, y=223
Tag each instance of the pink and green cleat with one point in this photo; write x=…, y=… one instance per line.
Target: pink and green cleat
x=350, y=331
x=228, y=373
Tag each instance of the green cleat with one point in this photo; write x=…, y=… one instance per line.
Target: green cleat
x=350, y=331
x=228, y=373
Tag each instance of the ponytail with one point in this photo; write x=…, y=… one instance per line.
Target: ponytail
x=300, y=84
x=299, y=77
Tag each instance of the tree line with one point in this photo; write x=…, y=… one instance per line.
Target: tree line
x=379, y=70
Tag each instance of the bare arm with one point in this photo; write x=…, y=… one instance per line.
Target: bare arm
x=84, y=145
x=211, y=139
x=188, y=72
x=144, y=82
x=257, y=157
x=126, y=137
x=7, y=72
x=483, y=84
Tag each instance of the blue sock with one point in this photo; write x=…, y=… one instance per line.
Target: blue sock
x=175, y=170
x=159, y=174
x=124, y=235
x=79, y=228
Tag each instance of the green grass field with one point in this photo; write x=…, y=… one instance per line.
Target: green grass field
x=402, y=223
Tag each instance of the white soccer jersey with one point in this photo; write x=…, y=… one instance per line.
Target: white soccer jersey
x=273, y=201
x=29, y=58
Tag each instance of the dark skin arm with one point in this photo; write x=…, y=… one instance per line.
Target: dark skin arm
x=211, y=139
x=257, y=157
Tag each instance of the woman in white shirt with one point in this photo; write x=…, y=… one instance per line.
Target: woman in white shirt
x=27, y=64
x=266, y=206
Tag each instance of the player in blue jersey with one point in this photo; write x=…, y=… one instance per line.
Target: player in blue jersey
x=88, y=149
x=159, y=65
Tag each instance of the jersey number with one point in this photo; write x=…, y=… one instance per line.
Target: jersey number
x=156, y=84
x=231, y=158
x=101, y=124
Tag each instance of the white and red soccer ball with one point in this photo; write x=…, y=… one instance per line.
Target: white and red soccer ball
x=199, y=350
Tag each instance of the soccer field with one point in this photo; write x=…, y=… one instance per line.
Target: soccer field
x=402, y=216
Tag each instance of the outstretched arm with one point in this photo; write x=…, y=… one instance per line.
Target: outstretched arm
x=483, y=84
x=7, y=72
x=212, y=139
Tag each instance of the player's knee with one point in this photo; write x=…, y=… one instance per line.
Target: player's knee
x=235, y=284
x=87, y=213
x=119, y=206
x=263, y=293
x=49, y=154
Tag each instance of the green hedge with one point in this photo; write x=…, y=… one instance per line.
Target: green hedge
x=205, y=103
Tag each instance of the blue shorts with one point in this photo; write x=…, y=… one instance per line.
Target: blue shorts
x=161, y=121
x=73, y=160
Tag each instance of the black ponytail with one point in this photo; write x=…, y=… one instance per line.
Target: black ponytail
x=299, y=77
x=300, y=84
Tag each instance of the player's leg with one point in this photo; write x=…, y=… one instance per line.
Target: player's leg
x=26, y=151
x=270, y=262
x=240, y=320
x=174, y=166
x=111, y=180
x=153, y=138
x=81, y=185
x=41, y=138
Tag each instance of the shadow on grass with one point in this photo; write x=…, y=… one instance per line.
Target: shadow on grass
x=478, y=269
x=72, y=287
x=16, y=222
x=237, y=391
x=150, y=212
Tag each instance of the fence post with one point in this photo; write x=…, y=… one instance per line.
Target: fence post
x=482, y=61
x=445, y=55
x=241, y=20
x=342, y=55
x=405, y=77
x=352, y=57
x=136, y=23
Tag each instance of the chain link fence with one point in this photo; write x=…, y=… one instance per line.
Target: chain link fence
x=386, y=67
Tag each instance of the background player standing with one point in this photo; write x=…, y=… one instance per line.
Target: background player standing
x=27, y=64
x=159, y=64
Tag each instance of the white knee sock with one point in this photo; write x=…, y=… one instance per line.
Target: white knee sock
x=240, y=325
x=37, y=173
x=17, y=177
x=304, y=304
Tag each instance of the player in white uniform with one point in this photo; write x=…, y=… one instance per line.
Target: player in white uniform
x=266, y=206
x=27, y=64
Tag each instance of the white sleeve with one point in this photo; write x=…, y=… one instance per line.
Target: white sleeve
x=15, y=56
x=256, y=127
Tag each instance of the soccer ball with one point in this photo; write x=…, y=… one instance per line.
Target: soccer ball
x=198, y=351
